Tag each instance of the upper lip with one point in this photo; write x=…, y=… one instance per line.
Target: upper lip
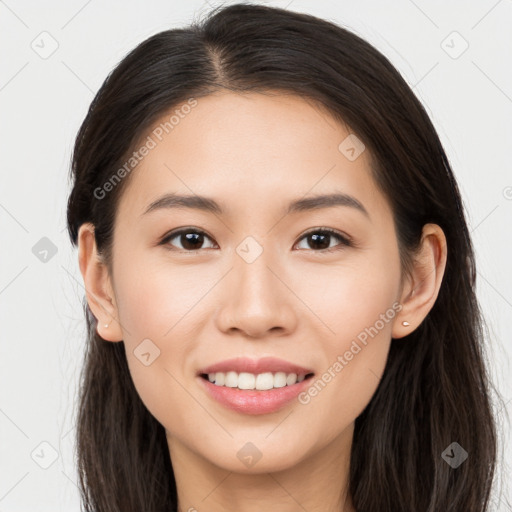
x=263, y=365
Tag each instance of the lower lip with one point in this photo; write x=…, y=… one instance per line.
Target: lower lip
x=252, y=401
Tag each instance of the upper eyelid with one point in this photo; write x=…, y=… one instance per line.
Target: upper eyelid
x=179, y=231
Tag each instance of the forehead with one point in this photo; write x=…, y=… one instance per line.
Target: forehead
x=250, y=151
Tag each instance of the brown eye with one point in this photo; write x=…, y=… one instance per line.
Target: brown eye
x=320, y=239
x=188, y=239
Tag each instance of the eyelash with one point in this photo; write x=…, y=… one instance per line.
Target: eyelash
x=344, y=239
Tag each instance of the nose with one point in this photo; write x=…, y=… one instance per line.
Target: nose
x=256, y=300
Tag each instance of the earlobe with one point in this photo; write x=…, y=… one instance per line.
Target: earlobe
x=423, y=287
x=96, y=278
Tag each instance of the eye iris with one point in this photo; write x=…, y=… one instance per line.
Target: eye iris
x=326, y=238
x=194, y=240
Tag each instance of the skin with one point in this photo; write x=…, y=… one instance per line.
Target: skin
x=255, y=153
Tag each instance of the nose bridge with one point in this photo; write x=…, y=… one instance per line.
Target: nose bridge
x=252, y=271
x=256, y=300
x=254, y=278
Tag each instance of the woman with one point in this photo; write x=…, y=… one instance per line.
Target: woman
x=280, y=281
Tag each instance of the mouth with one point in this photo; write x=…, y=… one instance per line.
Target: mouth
x=255, y=382
x=252, y=386
x=254, y=394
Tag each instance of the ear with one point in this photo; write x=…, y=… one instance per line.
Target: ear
x=99, y=292
x=422, y=287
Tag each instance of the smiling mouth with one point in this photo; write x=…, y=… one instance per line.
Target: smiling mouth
x=251, y=382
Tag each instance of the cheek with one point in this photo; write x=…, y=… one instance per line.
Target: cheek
x=357, y=307
x=159, y=313
x=155, y=297
x=354, y=296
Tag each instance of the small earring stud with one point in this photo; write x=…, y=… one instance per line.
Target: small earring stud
x=106, y=325
x=405, y=323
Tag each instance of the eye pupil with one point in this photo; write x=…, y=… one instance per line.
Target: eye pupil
x=195, y=239
x=315, y=237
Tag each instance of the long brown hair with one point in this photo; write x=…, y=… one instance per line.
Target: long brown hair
x=435, y=389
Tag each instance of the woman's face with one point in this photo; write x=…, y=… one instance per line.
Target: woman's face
x=253, y=282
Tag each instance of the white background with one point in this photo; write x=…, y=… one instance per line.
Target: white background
x=42, y=103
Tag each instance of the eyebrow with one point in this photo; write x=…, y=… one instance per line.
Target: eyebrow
x=207, y=204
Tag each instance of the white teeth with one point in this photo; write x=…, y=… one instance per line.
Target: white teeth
x=260, y=382
x=231, y=380
x=280, y=380
x=264, y=381
x=291, y=379
x=246, y=381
